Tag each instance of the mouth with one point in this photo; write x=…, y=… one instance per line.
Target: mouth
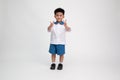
x=59, y=19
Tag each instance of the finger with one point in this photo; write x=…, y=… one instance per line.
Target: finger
x=65, y=20
x=51, y=22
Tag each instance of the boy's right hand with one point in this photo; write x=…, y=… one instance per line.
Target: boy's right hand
x=50, y=26
x=51, y=23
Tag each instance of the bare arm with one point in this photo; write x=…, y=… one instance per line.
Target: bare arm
x=66, y=26
x=50, y=26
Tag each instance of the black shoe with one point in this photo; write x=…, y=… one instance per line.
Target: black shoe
x=60, y=66
x=53, y=66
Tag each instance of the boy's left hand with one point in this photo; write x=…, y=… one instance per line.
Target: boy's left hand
x=66, y=26
x=65, y=23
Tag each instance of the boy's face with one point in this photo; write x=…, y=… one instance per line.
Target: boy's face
x=59, y=16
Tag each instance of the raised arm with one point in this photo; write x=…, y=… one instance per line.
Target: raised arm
x=66, y=26
x=50, y=26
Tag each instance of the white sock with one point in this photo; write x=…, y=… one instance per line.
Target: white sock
x=61, y=63
x=53, y=62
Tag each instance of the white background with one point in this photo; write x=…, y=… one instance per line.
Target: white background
x=93, y=45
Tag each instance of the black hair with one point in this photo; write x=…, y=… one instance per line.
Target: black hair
x=59, y=10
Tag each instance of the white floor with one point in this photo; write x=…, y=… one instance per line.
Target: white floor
x=26, y=69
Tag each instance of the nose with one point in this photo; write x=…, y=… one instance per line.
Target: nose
x=58, y=16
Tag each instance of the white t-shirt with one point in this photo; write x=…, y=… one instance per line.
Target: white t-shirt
x=58, y=34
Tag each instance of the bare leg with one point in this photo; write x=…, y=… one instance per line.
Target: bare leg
x=53, y=57
x=61, y=58
x=60, y=65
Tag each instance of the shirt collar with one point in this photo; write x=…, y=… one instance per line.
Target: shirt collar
x=61, y=23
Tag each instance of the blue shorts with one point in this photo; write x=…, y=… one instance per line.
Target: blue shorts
x=58, y=49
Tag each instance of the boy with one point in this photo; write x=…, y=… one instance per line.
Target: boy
x=57, y=43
